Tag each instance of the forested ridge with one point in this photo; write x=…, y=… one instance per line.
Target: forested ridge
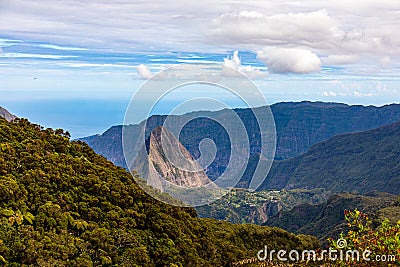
x=353, y=162
x=63, y=205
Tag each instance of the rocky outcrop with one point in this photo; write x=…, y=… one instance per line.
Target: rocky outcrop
x=7, y=115
x=164, y=159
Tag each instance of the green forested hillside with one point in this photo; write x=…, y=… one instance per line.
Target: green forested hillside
x=63, y=205
x=356, y=162
x=327, y=219
x=243, y=206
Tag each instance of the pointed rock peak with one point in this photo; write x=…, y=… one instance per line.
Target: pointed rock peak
x=162, y=131
x=168, y=160
x=7, y=115
x=157, y=131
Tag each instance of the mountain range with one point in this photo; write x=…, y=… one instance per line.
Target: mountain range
x=354, y=162
x=299, y=126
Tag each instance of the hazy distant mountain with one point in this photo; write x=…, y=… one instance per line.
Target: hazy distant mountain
x=298, y=125
x=7, y=115
x=359, y=162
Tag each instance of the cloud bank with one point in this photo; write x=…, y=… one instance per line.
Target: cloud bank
x=284, y=60
x=313, y=29
x=341, y=38
x=339, y=32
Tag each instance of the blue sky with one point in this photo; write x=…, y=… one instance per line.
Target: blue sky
x=76, y=64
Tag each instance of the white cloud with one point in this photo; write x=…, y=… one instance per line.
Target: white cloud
x=362, y=34
x=64, y=48
x=360, y=94
x=365, y=29
x=234, y=63
x=312, y=29
x=328, y=93
x=144, y=72
x=29, y=55
x=121, y=25
x=339, y=59
x=284, y=60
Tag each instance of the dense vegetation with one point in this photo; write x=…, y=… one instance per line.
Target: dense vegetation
x=355, y=162
x=363, y=245
x=63, y=205
x=243, y=206
x=382, y=241
x=327, y=219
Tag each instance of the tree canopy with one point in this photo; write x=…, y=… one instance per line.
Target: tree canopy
x=63, y=205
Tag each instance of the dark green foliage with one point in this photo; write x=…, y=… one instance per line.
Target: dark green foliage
x=397, y=202
x=383, y=241
x=243, y=206
x=327, y=219
x=63, y=205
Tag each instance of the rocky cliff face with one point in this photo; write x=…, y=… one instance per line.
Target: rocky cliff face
x=7, y=115
x=164, y=158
